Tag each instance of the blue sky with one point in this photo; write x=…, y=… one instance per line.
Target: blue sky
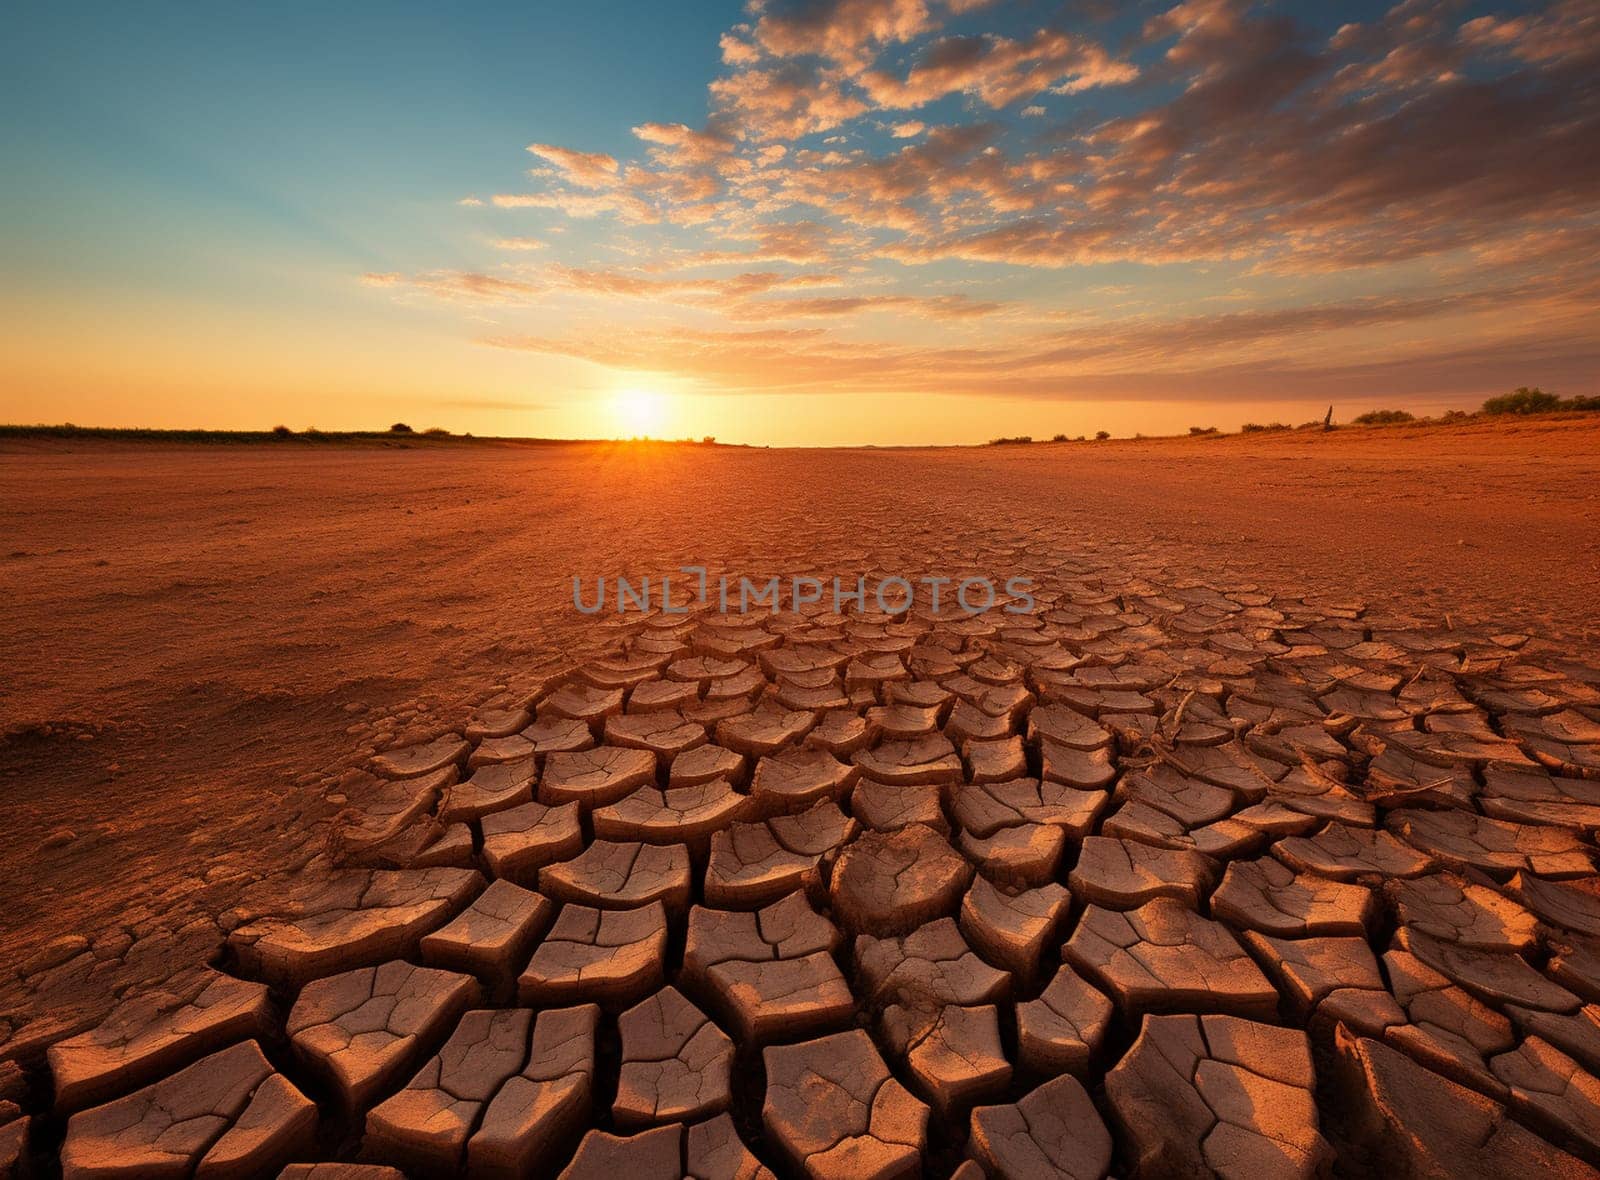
x=151, y=137
x=230, y=214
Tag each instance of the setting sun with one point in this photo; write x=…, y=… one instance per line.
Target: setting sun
x=639, y=413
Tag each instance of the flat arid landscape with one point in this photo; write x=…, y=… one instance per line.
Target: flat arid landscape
x=800, y=590
x=287, y=711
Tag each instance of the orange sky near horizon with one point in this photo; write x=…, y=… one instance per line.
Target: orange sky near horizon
x=215, y=371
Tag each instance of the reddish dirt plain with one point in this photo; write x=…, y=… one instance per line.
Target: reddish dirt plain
x=200, y=641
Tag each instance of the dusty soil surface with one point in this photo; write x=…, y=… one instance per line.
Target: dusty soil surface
x=205, y=647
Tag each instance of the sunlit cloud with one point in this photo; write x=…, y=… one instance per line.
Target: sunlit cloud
x=905, y=196
x=588, y=169
x=998, y=70
x=847, y=31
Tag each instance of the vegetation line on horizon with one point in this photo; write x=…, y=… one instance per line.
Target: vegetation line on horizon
x=1521, y=402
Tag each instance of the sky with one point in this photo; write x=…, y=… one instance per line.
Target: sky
x=794, y=222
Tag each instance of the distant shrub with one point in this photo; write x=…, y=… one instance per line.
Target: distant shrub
x=1454, y=416
x=1383, y=418
x=1258, y=428
x=709, y=440
x=1059, y=438
x=1102, y=435
x=436, y=432
x=1537, y=401
x=1015, y=440
x=282, y=431
x=1203, y=430
x=1523, y=401
x=400, y=428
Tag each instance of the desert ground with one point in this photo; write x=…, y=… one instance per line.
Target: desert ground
x=1263, y=843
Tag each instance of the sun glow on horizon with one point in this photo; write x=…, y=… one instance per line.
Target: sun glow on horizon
x=639, y=413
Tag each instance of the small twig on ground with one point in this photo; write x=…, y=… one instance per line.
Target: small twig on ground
x=1177, y=716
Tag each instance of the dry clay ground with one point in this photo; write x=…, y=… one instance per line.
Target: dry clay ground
x=1262, y=845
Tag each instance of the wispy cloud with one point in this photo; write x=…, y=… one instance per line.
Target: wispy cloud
x=585, y=169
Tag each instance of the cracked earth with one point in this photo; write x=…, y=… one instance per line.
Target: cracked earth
x=1181, y=872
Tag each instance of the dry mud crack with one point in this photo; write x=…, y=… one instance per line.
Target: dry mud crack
x=1153, y=879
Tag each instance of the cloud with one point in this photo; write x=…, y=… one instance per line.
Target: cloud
x=627, y=207
x=518, y=244
x=846, y=31
x=679, y=145
x=933, y=307
x=737, y=49
x=1565, y=33
x=786, y=100
x=1248, y=354
x=803, y=243
x=736, y=293
x=726, y=288
x=1253, y=140
x=1432, y=165
x=588, y=169
x=459, y=286
x=998, y=70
